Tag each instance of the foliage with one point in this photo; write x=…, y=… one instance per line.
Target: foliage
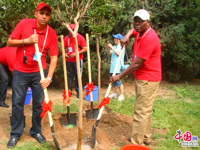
x=178, y=27
x=102, y=15
x=11, y=12
x=177, y=23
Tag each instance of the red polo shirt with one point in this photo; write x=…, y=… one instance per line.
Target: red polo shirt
x=148, y=48
x=68, y=43
x=7, y=57
x=23, y=30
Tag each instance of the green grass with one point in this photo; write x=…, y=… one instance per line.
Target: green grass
x=34, y=146
x=59, y=108
x=115, y=148
x=124, y=107
x=181, y=111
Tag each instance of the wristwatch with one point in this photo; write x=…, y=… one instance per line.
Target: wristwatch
x=49, y=79
x=118, y=77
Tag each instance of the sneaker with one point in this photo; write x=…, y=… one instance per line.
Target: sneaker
x=121, y=97
x=112, y=95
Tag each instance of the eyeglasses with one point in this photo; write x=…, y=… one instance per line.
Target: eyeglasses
x=42, y=13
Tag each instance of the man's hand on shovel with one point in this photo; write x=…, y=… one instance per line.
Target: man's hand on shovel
x=45, y=83
x=114, y=78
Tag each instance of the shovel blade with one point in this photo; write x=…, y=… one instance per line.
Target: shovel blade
x=54, y=139
x=72, y=120
x=56, y=142
x=92, y=113
x=94, y=129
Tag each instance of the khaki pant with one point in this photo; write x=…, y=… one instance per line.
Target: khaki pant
x=145, y=95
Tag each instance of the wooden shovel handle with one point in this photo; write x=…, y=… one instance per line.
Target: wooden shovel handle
x=64, y=66
x=89, y=66
x=109, y=86
x=46, y=99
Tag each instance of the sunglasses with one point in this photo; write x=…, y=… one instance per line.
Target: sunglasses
x=42, y=13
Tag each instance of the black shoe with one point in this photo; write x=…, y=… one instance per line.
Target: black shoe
x=39, y=137
x=12, y=142
x=77, y=95
x=4, y=105
x=147, y=143
x=129, y=139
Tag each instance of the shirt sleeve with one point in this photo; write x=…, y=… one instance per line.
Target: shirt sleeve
x=66, y=41
x=118, y=49
x=17, y=32
x=82, y=42
x=145, y=50
x=135, y=33
x=11, y=55
x=53, y=49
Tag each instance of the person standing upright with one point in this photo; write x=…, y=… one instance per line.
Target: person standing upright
x=146, y=66
x=114, y=52
x=26, y=70
x=71, y=57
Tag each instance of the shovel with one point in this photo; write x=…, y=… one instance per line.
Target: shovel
x=70, y=121
x=46, y=96
x=91, y=113
x=94, y=128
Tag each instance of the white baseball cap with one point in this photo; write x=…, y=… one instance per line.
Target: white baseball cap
x=143, y=14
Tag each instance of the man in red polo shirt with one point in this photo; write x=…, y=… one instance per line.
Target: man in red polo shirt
x=7, y=60
x=146, y=65
x=26, y=69
x=71, y=58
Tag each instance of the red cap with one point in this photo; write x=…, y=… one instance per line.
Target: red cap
x=42, y=5
x=72, y=26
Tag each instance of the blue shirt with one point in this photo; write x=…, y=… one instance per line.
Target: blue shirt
x=114, y=57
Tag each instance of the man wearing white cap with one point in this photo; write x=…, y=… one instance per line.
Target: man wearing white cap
x=146, y=66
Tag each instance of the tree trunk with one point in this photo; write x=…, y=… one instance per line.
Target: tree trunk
x=99, y=69
x=80, y=118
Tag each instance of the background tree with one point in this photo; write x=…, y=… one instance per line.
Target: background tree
x=178, y=25
x=101, y=17
x=175, y=21
x=11, y=12
x=75, y=12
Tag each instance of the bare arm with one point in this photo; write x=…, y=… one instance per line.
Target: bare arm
x=83, y=50
x=52, y=67
x=111, y=47
x=19, y=42
x=126, y=38
x=138, y=62
x=109, y=52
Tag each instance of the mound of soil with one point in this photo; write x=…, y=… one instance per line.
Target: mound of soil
x=112, y=130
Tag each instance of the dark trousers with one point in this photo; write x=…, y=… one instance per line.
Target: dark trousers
x=71, y=73
x=20, y=83
x=4, y=78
